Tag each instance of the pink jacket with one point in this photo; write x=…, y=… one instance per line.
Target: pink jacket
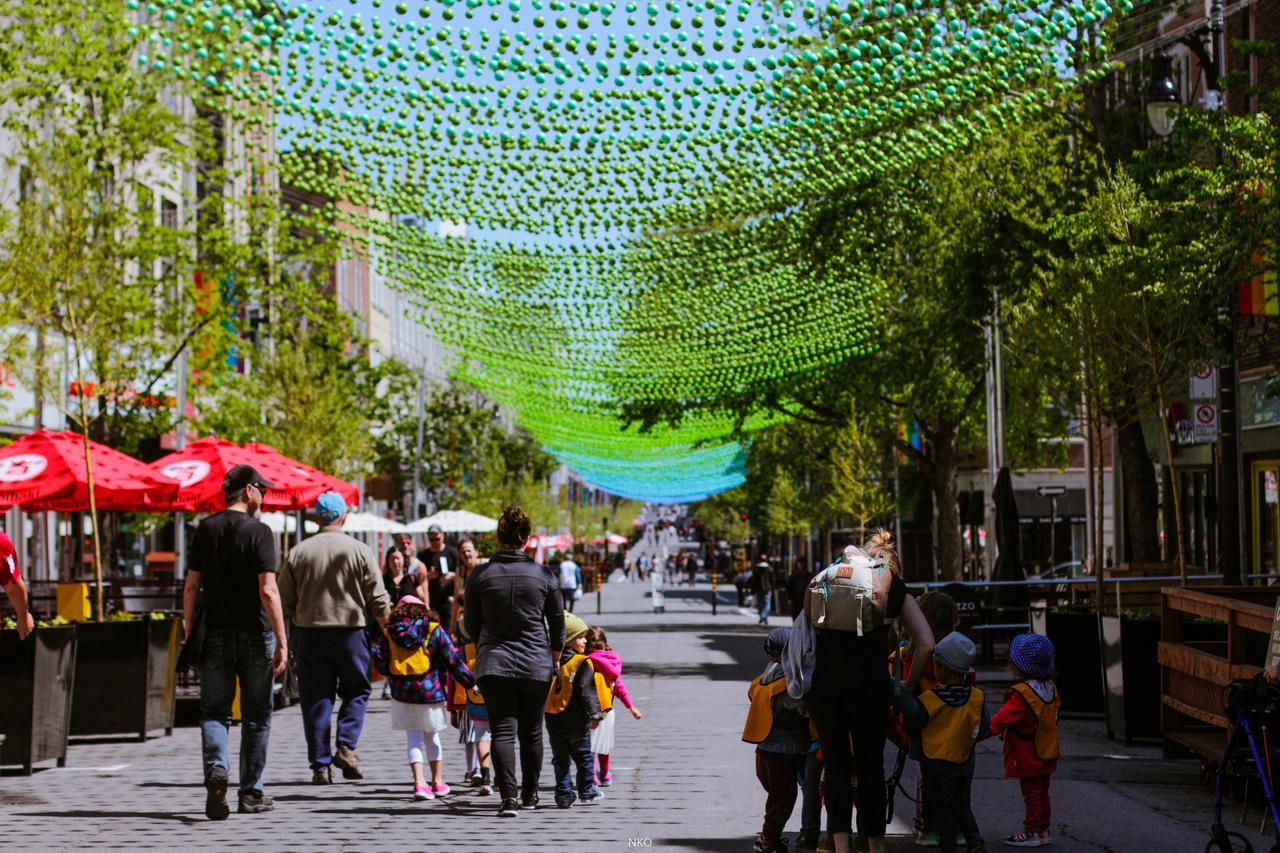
x=608, y=664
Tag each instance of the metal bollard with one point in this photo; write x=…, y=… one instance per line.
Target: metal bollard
x=599, y=590
x=714, y=578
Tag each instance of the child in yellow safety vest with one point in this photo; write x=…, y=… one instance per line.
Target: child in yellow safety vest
x=472, y=717
x=1028, y=722
x=945, y=724
x=573, y=710
x=780, y=728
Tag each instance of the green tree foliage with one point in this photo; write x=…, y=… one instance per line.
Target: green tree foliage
x=857, y=473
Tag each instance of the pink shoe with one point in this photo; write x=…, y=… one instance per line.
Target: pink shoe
x=423, y=792
x=441, y=789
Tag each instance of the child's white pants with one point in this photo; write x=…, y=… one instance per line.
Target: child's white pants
x=423, y=745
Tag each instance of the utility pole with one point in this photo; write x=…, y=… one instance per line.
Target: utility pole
x=179, y=442
x=417, y=455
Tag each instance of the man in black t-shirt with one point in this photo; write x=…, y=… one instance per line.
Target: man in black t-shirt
x=441, y=563
x=233, y=561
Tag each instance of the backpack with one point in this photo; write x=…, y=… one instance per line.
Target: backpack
x=410, y=662
x=852, y=594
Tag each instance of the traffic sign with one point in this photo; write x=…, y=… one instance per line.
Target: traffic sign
x=1206, y=423
x=1204, y=383
x=1051, y=491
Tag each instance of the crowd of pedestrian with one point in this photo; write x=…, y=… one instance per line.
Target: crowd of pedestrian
x=488, y=648
x=835, y=689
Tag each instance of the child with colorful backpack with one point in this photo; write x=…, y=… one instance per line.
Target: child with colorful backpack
x=414, y=652
x=609, y=684
x=573, y=710
x=945, y=723
x=780, y=728
x=1028, y=722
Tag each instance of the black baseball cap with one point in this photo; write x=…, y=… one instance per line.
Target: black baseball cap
x=241, y=476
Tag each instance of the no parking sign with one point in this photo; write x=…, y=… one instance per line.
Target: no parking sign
x=1206, y=423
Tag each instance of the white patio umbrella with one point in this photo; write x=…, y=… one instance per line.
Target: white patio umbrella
x=279, y=522
x=367, y=522
x=455, y=521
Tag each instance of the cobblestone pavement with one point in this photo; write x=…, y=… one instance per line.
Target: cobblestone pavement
x=683, y=780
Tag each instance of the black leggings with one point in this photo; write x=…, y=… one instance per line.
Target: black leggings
x=852, y=711
x=516, y=707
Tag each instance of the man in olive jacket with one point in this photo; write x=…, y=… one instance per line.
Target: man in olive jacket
x=327, y=586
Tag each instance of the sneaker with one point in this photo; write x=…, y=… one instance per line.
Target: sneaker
x=215, y=801
x=322, y=776
x=346, y=760
x=605, y=782
x=529, y=802
x=423, y=792
x=485, y=789
x=1027, y=839
x=926, y=839
x=591, y=800
x=255, y=802
x=473, y=780
x=807, y=840
x=563, y=804
x=509, y=808
x=441, y=789
x=826, y=844
x=764, y=845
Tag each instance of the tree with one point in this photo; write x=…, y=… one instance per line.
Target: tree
x=856, y=476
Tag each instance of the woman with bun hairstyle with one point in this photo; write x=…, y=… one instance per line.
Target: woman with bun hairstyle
x=516, y=617
x=849, y=703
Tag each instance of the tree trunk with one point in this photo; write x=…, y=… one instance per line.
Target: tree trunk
x=950, y=540
x=1141, y=501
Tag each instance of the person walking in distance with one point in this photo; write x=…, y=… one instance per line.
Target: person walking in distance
x=233, y=561
x=514, y=612
x=412, y=565
x=570, y=581
x=436, y=585
x=329, y=583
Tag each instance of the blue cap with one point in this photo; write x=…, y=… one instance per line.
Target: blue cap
x=330, y=506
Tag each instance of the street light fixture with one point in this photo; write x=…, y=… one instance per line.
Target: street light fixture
x=1162, y=95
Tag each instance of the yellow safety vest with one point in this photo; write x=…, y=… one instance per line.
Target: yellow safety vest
x=605, y=691
x=952, y=730
x=561, y=692
x=760, y=715
x=463, y=694
x=410, y=662
x=1046, y=736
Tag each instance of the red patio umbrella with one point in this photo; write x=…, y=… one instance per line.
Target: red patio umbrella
x=45, y=470
x=200, y=466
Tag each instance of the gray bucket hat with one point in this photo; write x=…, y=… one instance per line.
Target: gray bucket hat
x=955, y=652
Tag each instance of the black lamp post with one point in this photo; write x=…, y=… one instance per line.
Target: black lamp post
x=1208, y=43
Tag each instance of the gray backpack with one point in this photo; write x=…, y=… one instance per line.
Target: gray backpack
x=852, y=594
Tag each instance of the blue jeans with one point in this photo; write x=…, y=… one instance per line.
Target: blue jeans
x=331, y=661
x=764, y=604
x=228, y=656
x=570, y=750
x=811, y=794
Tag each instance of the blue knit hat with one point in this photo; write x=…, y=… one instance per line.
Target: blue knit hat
x=1033, y=655
x=776, y=642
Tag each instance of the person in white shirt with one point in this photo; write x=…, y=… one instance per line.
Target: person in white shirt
x=570, y=581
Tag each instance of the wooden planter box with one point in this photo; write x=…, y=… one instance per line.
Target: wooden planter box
x=36, y=677
x=1075, y=637
x=124, y=681
x=1196, y=668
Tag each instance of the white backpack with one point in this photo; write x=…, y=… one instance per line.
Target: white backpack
x=852, y=594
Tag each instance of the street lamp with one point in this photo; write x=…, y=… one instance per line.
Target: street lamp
x=1162, y=95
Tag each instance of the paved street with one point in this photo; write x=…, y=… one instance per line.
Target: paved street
x=683, y=779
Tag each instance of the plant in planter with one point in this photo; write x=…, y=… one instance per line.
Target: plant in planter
x=36, y=681
x=124, y=678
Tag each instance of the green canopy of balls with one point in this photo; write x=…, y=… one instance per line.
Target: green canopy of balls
x=632, y=177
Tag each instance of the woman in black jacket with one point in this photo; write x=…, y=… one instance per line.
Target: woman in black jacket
x=513, y=609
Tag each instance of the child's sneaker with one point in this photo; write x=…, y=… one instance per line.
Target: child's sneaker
x=441, y=789
x=423, y=792
x=764, y=845
x=1028, y=839
x=926, y=839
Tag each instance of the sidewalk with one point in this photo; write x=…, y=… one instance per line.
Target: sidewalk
x=684, y=781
